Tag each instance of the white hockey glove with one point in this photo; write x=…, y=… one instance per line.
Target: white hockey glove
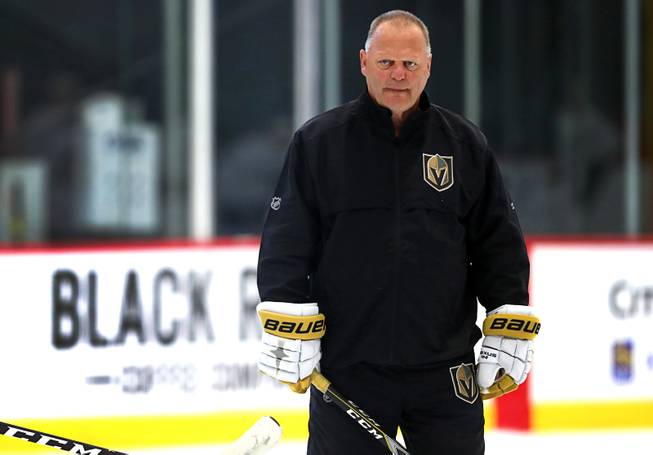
x=507, y=349
x=290, y=345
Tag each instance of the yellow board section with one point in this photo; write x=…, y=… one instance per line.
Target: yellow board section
x=592, y=416
x=123, y=433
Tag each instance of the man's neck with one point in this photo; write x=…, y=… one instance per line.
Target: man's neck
x=399, y=118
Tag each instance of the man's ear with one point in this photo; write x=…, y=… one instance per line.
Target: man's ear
x=363, y=61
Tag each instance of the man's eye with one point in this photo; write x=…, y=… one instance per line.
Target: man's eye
x=385, y=63
x=410, y=66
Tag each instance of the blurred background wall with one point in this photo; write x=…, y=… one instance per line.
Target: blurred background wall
x=129, y=129
x=98, y=107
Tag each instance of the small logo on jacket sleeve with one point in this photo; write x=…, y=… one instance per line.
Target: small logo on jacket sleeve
x=438, y=171
x=276, y=203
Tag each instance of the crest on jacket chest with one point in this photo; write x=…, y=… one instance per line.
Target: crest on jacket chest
x=438, y=171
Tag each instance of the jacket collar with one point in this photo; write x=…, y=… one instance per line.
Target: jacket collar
x=381, y=117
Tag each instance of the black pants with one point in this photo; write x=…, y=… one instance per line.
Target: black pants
x=437, y=407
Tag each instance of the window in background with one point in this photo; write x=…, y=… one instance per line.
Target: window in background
x=647, y=117
x=255, y=87
x=552, y=108
x=254, y=68
x=84, y=98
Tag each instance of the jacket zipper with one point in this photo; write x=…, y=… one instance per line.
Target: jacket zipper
x=397, y=241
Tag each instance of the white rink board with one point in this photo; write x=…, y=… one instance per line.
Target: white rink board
x=594, y=301
x=58, y=363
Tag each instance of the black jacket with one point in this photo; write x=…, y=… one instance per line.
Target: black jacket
x=393, y=243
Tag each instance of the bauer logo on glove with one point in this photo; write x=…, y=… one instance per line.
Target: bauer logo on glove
x=520, y=327
x=293, y=327
x=507, y=350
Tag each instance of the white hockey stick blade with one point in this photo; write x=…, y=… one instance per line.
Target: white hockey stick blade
x=260, y=438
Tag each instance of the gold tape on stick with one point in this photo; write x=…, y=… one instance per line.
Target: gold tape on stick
x=319, y=381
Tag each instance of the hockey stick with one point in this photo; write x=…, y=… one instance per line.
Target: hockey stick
x=56, y=442
x=260, y=437
x=366, y=422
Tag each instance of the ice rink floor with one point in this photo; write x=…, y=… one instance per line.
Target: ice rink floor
x=503, y=443
x=497, y=443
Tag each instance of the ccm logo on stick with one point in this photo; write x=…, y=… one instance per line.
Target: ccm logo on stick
x=56, y=442
x=364, y=423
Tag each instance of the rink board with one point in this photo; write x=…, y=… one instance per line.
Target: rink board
x=155, y=345
x=594, y=356
x=128, y=346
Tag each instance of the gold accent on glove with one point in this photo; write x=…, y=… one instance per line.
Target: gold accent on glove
x=293, y=327
x=504, y=385
x=521, y=326
x=300, y=386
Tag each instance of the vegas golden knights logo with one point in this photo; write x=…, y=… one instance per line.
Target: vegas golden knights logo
x=438, y=171
x=464, y=382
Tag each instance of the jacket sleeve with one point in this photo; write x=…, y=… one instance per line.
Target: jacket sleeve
x=290, y=236
x=499, y=261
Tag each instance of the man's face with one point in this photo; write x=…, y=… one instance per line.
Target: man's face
x=396, y=66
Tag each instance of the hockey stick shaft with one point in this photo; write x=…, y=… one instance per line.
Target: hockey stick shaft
x=264, y=434
x=56, y=442
x=357, y=414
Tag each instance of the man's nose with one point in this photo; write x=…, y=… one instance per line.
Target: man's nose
x=398, y=73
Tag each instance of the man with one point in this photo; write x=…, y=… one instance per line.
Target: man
x=389, y=221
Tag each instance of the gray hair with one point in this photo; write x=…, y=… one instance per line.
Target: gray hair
x=403, y=17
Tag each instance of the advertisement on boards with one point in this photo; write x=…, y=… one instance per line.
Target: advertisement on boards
x=130, y=333
x=594, y=356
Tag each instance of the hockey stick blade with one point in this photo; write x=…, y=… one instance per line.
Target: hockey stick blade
x=56, y=442
x=260, y=437
x=357, y=414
